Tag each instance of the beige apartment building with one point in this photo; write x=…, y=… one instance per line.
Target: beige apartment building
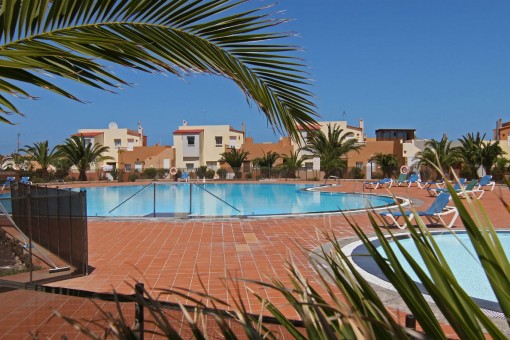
x=116, y=139
x=196, y=146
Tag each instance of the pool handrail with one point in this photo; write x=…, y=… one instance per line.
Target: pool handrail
x=130, y=197
x=230, y=205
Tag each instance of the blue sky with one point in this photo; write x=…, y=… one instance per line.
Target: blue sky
x=436, y=66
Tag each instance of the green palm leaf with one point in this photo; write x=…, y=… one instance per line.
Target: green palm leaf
x=76, y=39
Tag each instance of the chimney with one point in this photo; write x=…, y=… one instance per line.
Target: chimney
x=499, y=125
x=140, y=132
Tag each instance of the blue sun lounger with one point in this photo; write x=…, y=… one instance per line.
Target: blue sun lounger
x=8, y=181
x=434, y=214
x=379, y=184
x=457, y=187
x=486, y=181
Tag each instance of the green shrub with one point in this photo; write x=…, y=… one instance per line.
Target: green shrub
x=37, y=179
x=222, y=173
x=465, y=172
x=357, y=173
x=201, y=171
x=210, y=174
x=132, y=177
x=162, y=173
x=248, y=175
x=149, y=173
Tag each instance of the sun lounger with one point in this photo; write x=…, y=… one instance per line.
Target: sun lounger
x=434, y=214
x=25, y=180
x=457, y=187
x=385, y=182
x=184, y=177
x=430, y=184
x=414, y=179
x=401, y=180
x=8, y=181
x=486, y=181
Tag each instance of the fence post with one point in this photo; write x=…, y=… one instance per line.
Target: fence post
x=139, y=317
x=29, y=222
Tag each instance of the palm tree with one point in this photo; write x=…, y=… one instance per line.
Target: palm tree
x=291, y=163
x=388, y=162
x=438, y=150
x=490, y=152
x=330, y=148
x=266, y=162
x=77, y=40
x=470, y=153
x=81, y=155
x=235, y=159
x=40, y=153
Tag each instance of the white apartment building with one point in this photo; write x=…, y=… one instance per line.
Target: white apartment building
x=203, y=145
x=117, y=139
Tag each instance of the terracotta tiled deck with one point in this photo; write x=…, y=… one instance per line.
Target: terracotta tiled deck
x=166, y=253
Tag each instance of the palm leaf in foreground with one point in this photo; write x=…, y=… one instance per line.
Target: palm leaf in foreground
x=77, y=39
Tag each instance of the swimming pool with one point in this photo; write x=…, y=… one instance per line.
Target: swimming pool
x=214, y=199
x=459, y=253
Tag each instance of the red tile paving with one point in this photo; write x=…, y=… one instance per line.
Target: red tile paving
x=165, y=253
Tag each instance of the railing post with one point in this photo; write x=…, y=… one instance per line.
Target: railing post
x=190, y=197
x=411, y=322
x=154, y=205
x=139, y=317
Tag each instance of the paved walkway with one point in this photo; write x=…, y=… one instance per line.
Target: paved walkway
x=164, y=253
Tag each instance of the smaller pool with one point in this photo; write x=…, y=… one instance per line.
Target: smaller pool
x=458, y=251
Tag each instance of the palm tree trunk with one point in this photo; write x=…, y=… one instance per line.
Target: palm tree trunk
x=83, y=175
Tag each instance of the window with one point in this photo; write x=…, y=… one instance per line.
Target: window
x=219, y=141
x=191, y=140
x=117, y=143
x=127, y=167
x=232, y=142
x=359, y=165
x=212, y=165
x=87, y=141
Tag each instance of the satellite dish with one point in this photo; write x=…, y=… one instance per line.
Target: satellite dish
x=112, y=126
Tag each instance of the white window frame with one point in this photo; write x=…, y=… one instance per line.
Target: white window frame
x=117, y=143
x=218, y=141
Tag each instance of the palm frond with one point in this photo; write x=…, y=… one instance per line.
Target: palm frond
x=76, y=39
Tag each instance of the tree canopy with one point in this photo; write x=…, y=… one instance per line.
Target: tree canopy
x=330, y=148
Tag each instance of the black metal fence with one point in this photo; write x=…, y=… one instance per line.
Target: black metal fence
x=55, y=219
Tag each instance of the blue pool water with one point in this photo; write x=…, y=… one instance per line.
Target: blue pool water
x=223, y=200
x=458, y=252
x=461, y=256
